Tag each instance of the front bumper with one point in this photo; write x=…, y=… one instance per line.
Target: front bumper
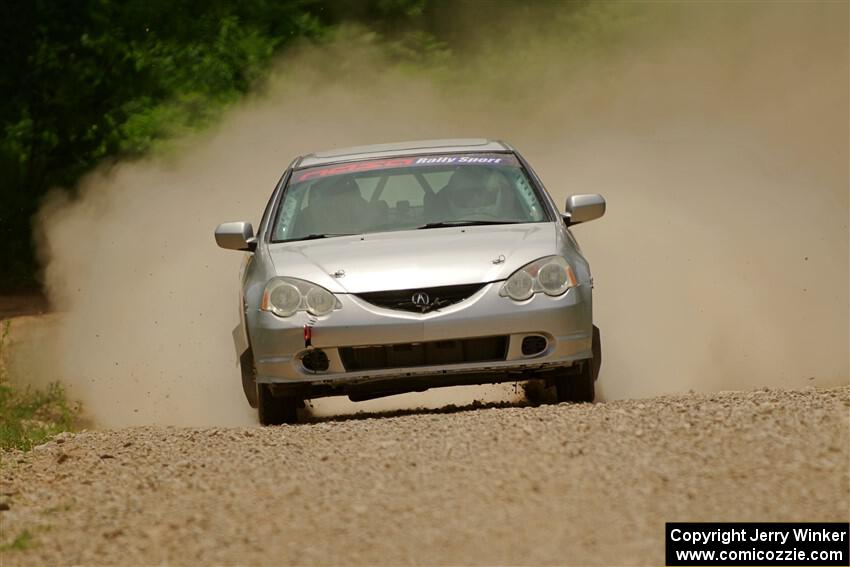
x=565, y=321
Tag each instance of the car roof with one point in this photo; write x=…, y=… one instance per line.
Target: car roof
x=456, y=145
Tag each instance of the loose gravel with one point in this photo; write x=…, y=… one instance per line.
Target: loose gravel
x=558, y=484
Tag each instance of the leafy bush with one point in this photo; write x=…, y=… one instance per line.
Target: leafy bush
x=29, y=416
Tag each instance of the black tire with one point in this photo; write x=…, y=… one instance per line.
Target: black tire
x=275, y=410
x=249, y=373
x=576, y=387
x=580, y=387
x=597, y=353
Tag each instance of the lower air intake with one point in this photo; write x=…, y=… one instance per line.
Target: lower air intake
x=433, y=353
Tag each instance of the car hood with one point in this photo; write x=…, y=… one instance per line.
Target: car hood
x=415, y=258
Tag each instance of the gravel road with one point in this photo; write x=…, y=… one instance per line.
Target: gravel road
x=558, y=484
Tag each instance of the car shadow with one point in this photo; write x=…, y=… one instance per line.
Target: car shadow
x=533, y=397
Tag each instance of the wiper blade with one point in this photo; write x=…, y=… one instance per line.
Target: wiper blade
x=445, y=224
x=322, y=235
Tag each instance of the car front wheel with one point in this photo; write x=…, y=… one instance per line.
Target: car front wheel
x=275, y=410
x=578, y=387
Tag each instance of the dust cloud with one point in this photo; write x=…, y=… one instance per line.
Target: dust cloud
x=717, y=132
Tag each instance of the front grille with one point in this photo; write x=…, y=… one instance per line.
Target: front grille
x=484, y=349
x=421, y=300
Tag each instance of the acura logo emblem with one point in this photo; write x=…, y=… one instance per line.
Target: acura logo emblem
x=420, y=298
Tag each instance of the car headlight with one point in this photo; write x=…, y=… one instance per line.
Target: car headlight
x=286, y=296
x=551, y=275
x=319, y=301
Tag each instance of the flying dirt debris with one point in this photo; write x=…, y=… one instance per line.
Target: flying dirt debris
x=714, y=270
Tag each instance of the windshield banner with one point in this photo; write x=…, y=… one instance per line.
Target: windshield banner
x=407, y=161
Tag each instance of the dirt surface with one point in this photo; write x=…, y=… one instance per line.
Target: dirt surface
x=559, y=484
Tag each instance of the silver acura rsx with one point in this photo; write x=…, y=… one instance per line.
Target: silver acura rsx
x=394, y=268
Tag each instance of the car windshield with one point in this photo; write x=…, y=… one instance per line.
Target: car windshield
x=406, y=193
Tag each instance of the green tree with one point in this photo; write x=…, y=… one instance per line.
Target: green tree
x=91, y=79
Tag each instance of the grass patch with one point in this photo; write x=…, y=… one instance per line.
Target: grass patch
x=22, y=541
x=29, y=416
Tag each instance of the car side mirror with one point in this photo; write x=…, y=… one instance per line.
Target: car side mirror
x=583, y=208
x=236, y=236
